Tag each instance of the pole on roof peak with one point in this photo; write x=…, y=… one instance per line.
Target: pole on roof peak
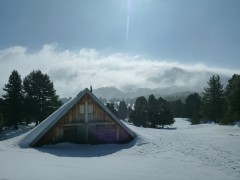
x=91, y=88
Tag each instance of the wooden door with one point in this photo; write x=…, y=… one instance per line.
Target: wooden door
x=70, y=134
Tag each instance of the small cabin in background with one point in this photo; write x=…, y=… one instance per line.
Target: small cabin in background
x=83, y=120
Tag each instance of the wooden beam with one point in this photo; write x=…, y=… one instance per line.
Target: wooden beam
x=86, y=111
x=117, y=133
x=90, y=124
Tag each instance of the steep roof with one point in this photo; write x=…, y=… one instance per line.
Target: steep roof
x=35, y=134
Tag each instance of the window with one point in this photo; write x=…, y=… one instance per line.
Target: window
x=81, y=109
x=90, y=108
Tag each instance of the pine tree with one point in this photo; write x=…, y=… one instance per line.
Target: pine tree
x=195, y=118
x=139, y=114
x=192, y=108
x=112, y=108
x=165, y=117
x=177, y=108
x=122, y=110
x=162, y=102
x=152, y=112
x=192, y=104
x=129, y=111
x=13, y=99
x=41, y=98
x=233, y=100
x=213, y=103
x=1, y=114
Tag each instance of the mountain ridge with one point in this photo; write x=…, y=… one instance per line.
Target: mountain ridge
x=113, y=92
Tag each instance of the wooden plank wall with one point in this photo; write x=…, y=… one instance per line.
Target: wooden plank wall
x=112, y=132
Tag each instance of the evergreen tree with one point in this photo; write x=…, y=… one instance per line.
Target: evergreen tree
x=139, y=114
x=122, y=110
x=165, y=117
x=13, y=99
x=153, y=103
x=152, y=112
x=213, y=104
x=1, y=105
x=192, y=108
x=162, y=102
x=1, y=114
x=41, y=98
x=195, y=118
x=177, y=108
x=192, y=104
x=233, y=100
x=129, y=111
x=112, y=108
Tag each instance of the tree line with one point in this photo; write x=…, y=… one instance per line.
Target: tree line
x=29, y=100
x=153, y=112
x=216, y=104
x=34, y=98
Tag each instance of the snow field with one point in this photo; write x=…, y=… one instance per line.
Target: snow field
x=184, y=151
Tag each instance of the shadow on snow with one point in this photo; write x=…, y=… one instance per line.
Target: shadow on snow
x=81, y=150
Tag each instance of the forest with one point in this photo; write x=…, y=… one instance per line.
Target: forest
x=215, y=104
x=34, y=98
x=27, y=101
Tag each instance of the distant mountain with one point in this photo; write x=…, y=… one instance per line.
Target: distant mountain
x=176, y=96
x=109, y=92
x=169, y=93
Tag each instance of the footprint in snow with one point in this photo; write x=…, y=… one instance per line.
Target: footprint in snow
x=140, y=144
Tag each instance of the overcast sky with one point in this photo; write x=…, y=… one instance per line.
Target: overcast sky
x=120, y=42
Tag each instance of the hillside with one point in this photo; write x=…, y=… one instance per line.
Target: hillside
x=172, y=93
x=206, y=151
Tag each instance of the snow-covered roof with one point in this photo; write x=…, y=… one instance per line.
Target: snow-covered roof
x=35, y=134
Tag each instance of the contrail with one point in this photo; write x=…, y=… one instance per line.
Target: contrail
x=128, y=19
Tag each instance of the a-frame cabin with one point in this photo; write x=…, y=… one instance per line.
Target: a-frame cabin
x=83, y=120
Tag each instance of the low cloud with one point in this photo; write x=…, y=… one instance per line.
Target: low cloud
x=71, y=71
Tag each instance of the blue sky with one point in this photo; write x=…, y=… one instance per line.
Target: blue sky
x=188, y=32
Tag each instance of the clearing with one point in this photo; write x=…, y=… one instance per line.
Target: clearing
x=206, y=151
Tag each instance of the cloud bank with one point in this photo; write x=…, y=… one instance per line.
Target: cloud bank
x=71, y=71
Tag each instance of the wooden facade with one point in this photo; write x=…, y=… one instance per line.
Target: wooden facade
x=86, y=122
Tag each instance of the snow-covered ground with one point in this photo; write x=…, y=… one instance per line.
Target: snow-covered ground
x=185, y=152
